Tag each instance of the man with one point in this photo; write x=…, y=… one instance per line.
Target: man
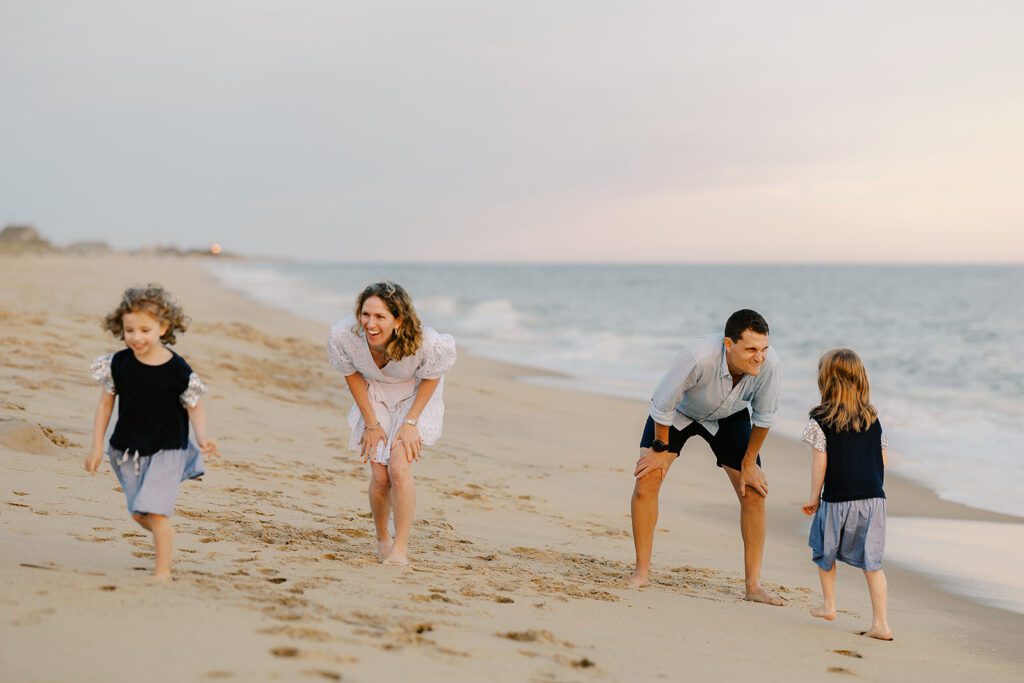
x=724, y=389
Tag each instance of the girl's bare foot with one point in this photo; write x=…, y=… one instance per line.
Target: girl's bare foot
x=823, y=613
x=396, y=557
x=384, y=549
x=638, y=580
x=879, y=632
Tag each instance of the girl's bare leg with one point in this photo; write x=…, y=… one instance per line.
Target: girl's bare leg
x=380, y=507
x=403, y=499
x=827, y=610
x=163, y=540
x=878, y=587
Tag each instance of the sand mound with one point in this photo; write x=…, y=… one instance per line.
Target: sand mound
x=27, y=437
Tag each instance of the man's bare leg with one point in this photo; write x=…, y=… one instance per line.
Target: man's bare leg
x=644, y=510
x=752, y=529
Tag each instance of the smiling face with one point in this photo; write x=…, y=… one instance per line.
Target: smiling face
x=142, y=332
x=746, y=356
x=377, y=322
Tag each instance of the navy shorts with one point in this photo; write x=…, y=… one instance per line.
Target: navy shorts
x=729, y=444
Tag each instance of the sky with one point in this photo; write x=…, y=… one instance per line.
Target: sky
x=520, y=131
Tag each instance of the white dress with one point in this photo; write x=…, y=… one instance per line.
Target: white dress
x=392, y=388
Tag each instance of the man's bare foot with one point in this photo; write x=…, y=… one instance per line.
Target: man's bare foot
x=396, y=557
x=638, y=580
x=823, y=613
x=384, y=549
x=883, y=633
x=765, y=597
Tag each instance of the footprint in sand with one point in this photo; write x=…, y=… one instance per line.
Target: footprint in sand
x=849, y=653
x=285, y=651
x=840, y=670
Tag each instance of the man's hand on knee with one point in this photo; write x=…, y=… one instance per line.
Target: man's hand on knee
x=751, y=475
x=651, y=462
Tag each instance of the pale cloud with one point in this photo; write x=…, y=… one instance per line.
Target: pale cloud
x=524, y=131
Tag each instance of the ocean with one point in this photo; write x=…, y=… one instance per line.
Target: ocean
x=939, y=342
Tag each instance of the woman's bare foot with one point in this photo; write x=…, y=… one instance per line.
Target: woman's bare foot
x=879, y=632
x=764, y=597
x=160, y=578
x=639, y=580
x=384, y=549
x=823, y=613
x=396, y=557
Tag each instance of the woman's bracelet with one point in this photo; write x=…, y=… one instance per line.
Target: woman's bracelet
x=369, y=428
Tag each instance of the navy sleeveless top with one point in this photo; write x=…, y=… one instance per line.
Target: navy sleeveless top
x=855, y=470
x=150, y=416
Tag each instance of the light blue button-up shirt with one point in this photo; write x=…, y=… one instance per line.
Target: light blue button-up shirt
x=698, y=388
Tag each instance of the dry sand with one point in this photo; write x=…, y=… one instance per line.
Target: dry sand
x=520, y=551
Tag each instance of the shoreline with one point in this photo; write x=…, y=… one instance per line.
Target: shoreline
x=523, y=472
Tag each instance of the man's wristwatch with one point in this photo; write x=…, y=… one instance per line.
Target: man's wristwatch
x=659, y=446
x=411, y=422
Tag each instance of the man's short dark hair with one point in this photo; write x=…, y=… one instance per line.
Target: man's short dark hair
x=743, y=320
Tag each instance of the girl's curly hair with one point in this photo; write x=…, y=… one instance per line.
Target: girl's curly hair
x=408, y=336
x=154, y=300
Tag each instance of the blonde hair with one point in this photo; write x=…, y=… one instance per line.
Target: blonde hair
x=408, y=335
x=845, y=392
x=154, y=300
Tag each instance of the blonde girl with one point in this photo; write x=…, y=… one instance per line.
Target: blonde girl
x=157, y=396
x=847, y=472
x=394, y=366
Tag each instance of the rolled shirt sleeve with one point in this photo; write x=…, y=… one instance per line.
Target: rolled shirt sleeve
x=765, y=402
x=683, y=375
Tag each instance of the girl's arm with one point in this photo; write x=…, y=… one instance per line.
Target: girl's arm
x=373, y=433
x=99, y=430
x=409, y=434
x=819, y=459
x=885, y=458
x=197, y=416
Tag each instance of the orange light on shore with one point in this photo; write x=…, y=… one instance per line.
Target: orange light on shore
x=215, y=249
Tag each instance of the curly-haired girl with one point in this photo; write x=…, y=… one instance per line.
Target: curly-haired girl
x=158, y=394
x=394, y=366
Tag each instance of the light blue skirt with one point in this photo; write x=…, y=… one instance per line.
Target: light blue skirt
x=150, y=483
x=851, y=531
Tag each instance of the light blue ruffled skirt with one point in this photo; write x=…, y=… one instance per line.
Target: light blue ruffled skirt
x=851, y=531
x=150, y=483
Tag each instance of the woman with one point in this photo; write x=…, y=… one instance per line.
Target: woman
x=394, y=367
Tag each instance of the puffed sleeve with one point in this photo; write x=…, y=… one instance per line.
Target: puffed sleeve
x=101, y=372
x=813, y=436
x=338, y=349
x=438, y=355
x=193, y=392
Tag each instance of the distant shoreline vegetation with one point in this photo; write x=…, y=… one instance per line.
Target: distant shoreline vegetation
x=26, y=239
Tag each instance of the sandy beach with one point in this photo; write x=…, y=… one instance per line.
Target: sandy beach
x=519, y=554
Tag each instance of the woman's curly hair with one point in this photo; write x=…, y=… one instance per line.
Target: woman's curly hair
x=154, y=300
x=408, y=336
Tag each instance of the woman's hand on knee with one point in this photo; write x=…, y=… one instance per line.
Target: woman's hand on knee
x=370, y=440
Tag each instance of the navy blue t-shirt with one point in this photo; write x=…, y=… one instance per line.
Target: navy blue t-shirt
x=150, y=415
x=854, y=470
